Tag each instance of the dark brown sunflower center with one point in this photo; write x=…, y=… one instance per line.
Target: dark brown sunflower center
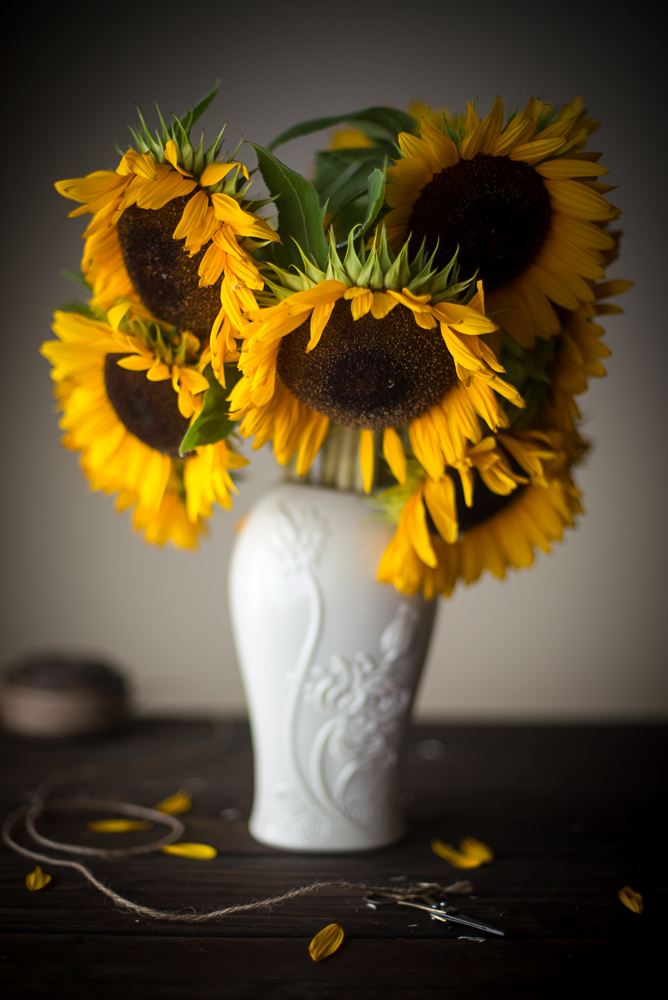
x=149, y=410
x=495, y=209
x=165, y=277
x=373, y=373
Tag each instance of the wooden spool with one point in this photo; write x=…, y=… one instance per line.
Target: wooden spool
x=52, y=697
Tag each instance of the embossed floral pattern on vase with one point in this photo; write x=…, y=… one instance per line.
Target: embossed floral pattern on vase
x=330, y=662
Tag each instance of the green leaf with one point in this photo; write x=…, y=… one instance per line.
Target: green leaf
x=377, y=123
x=350, y=216
x=190, y=117
x=376, y=186
x=78, y=279
x=300, y=217
x=342, y=179
x=213, y=423
x=341, y=176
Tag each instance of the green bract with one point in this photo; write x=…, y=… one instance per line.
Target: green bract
x=377, y=268
x=191, y=159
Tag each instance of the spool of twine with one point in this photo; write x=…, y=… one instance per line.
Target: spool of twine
x=54, y=697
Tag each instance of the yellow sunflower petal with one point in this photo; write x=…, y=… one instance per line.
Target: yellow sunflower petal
x=326, y=942
x=632, y=900
x=172, y=156
x=311, y=442
x=418, y=532
x=216, y=171
x=37, y=879
x=563, y=167
x=394, y=453
x=493, y=126
x=176, y=804
x=193, y=215
x=367, y=458
x=382, y=304
x=319, y=318
x=202, y=852
x=426, y=445
x=577, y=200
x=442, y=505
x=144, y=166
x=604, y=289
x=118, y=825
x=454, y=857
x=476, y=849
x=138, y=363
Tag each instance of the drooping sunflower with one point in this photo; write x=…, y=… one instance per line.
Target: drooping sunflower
x=514, y=493
x=389, y=347
x=173, y=231
x=440, y=540
x=129, y=391
x=520, y=200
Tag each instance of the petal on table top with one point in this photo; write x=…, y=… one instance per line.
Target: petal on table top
x=37, y=879
x=176, y=804
x=453, y=856
x=632, y=900
x=326, y=942
x=118, y=825
x=476, y=849
x=471, y=854
x=203, y=852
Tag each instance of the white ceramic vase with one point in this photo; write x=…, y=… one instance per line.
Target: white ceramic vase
x=330, y=660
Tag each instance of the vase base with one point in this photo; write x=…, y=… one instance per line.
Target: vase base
x=347, y=842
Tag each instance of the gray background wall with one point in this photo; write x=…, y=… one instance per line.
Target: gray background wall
x=582, y=635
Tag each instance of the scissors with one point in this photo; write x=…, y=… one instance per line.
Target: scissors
x=439, y=914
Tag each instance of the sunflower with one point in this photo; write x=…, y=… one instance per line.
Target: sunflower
x=172, y=230
x=129, y=391
x=521, y=202
x=514, y=493
x=387, y=347
x=509, y=530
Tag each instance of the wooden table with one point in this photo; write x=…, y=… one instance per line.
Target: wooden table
x=573, y=813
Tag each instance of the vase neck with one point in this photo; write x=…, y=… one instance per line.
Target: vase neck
x=337, y=465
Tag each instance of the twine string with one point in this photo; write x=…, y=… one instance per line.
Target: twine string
x=212, y=746
x=128, y=808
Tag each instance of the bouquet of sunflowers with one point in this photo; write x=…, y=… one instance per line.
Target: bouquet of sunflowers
x=418, y=318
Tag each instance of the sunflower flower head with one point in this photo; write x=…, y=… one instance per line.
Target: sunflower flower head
x=173, y=229
x=512, y=493
x=519, y=196
x=131, y=391
x=383, y=343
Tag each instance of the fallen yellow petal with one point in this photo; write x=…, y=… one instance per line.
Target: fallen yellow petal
x=118, y=825
x=176, y=804
x=471, y=854
x=476, y=849
x=632, y=900
x=326, y=942
x=453, y=856
x=37, y=879
x=201, y=851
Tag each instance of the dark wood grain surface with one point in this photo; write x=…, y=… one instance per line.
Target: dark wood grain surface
x=573, y=814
